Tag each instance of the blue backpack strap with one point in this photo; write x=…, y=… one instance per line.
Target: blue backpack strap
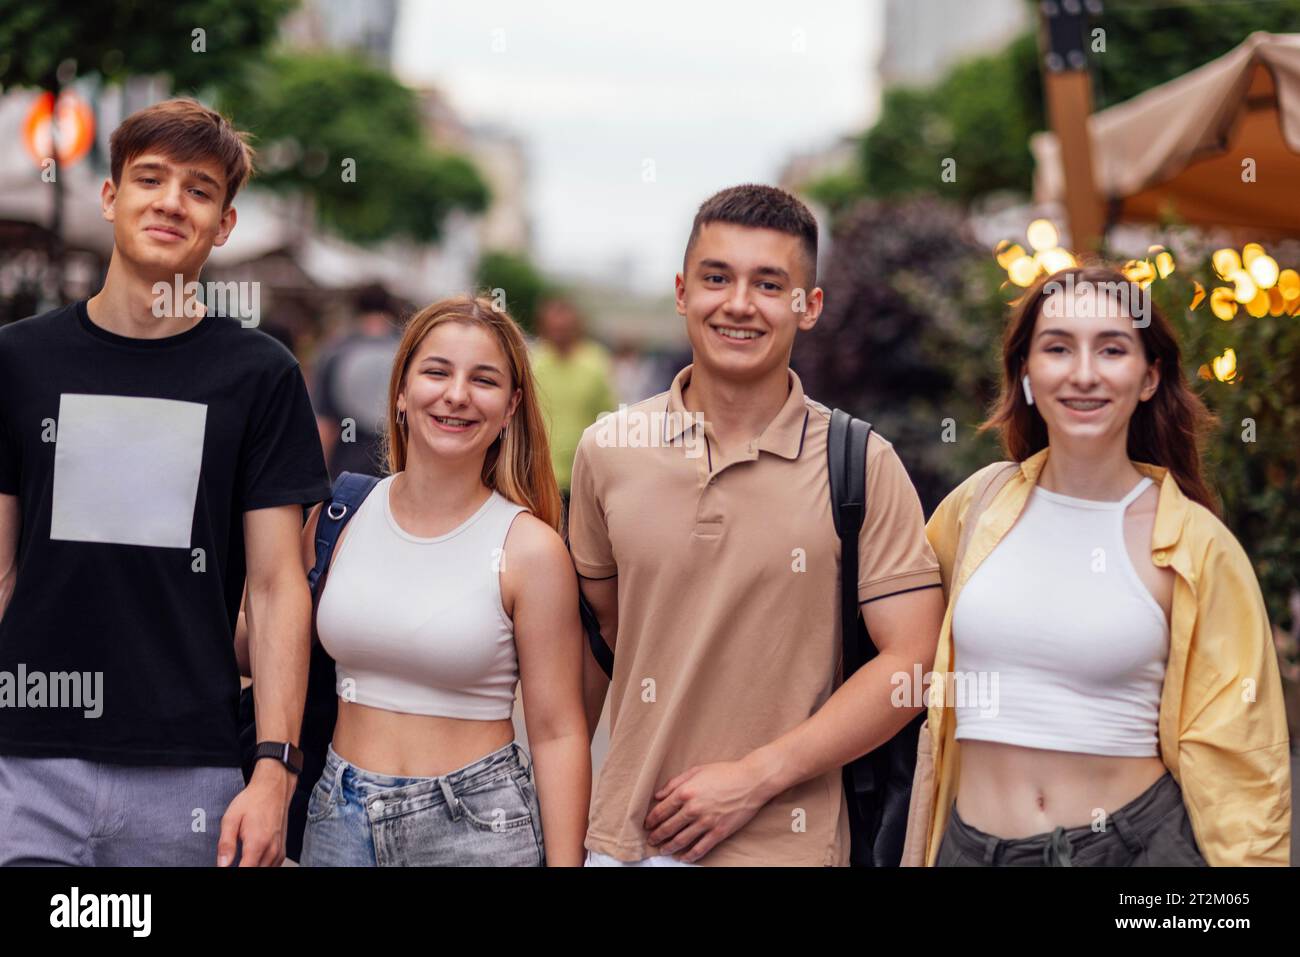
x=350, y=490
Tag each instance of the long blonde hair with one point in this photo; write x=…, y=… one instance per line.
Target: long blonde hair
x=518, y=465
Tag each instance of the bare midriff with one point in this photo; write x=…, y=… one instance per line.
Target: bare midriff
x=1011, y=791
x=414, y=745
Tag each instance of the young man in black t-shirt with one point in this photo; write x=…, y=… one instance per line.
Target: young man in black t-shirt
x=152, y=457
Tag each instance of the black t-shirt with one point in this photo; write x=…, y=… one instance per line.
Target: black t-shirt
x=133, y=461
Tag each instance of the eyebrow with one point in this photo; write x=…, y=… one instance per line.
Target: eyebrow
x=484, y=366
x=163, y=168
x=761, y=270
x=1107, y=334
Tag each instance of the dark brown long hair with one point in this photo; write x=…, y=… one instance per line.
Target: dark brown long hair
x=1168, y=430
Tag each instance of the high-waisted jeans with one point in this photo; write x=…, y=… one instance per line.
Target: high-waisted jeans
x=1152, y=830
x=484, y=814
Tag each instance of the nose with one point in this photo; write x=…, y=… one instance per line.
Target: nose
x=1083, y=374
x=738, y=303
x=457, y=391
x=168, y=200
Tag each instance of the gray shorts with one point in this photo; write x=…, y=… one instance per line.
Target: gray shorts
x=68, y=811
x=484, y=814
x=1152, y=830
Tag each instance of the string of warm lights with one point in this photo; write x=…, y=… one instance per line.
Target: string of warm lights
x=1256, y=281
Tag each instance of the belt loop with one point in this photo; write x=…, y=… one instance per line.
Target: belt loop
x=1058, y=851
x=991, y=850
x=448, y=795
x=1126, y=831
x=336, y=793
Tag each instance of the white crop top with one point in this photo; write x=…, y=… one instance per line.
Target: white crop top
x=1057, y=641
x=416, y=624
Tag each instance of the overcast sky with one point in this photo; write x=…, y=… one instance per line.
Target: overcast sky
x=700, y=95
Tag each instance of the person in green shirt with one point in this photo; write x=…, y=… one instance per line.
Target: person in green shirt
x=574, y=380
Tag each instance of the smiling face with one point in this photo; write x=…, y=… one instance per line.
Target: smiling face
x=1087, y=366
x=739, y=294
x=458, y=392
x=167, y=215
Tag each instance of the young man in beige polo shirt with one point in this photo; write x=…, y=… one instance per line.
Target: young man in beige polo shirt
x=701, y=526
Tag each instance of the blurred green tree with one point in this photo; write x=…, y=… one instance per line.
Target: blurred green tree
x=349, y=135
x=190, y=40
x=523, y=285
x=982, y=111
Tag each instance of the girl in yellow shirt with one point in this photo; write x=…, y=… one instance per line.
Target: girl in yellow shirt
x=1106, y=688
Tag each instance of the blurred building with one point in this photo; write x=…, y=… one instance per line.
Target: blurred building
x=365, y=28
x=922, y=40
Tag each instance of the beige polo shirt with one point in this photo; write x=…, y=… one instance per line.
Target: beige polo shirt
x=728, y=582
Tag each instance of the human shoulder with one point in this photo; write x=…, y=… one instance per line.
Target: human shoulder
x=819, y=423
x=533, y=546
x=605, y=436
x=1211, y=543
x=250, y=344
x=35, y=331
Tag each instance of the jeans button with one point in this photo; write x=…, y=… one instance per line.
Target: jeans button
x=378, y=807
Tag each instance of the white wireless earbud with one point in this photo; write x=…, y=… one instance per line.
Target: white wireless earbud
x=1029, y=396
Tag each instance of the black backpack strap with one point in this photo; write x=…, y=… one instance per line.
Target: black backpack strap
x=595, y=640
x=846, y=455
x=350, y=490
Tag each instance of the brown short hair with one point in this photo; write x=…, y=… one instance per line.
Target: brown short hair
x=183, y=129
x=760, y=207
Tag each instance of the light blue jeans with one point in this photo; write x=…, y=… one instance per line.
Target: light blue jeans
x=482, y=815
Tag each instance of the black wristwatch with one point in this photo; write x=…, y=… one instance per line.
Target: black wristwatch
x=282, y=751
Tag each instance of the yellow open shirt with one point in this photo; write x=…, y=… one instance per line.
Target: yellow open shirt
x=1222, y=725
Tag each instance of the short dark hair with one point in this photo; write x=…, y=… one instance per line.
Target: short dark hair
x=183, y=130
x=759, y=207
x=374, y=297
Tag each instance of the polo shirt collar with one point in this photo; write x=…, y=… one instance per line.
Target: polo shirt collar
x=1171, y=506
x=783, y=436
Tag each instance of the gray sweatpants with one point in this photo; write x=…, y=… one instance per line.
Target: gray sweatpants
x=1152, y=830
x=67, y=811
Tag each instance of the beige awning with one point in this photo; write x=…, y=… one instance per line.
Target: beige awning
x=1180, y=149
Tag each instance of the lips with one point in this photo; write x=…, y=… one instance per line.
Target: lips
x=737, y=333
x=452, y=423
x=1084, y=406
x=163, y=232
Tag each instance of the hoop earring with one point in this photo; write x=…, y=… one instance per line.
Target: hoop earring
x=502, y=436
x=1029, y=396
x=401, y=417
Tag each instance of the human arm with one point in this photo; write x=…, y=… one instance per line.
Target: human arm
x=279, y=617
x=539, y=581
x=593, y=558
x=10, y=524
x=1233, y=748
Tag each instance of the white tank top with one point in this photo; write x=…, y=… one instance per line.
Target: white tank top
x=1056, y=639
x=416, y=624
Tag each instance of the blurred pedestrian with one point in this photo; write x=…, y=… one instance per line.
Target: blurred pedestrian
x=351, y=385
x=574, y=379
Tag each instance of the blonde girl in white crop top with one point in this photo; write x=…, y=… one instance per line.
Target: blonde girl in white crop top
x=1068, y=608
x=449, y=584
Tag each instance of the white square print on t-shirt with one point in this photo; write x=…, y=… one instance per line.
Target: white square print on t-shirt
x=126, y=470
